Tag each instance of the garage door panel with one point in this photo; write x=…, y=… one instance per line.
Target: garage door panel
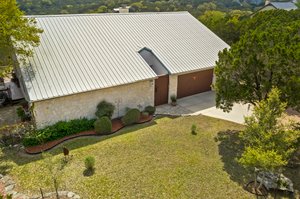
x=193, y=83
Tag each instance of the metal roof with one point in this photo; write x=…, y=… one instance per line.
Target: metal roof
x=85, y=52
x=284, y=5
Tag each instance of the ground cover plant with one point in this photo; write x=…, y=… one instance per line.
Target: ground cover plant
x=57, y=131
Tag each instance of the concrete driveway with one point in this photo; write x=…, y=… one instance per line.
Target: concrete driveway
x=204, y=103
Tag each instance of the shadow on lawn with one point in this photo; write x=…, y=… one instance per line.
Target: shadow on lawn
x=230, y=149
x=21, y=158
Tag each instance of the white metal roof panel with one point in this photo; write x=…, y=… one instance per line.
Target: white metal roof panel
x=80, y=53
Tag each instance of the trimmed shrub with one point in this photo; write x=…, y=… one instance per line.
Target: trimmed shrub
x=131, y=117
x=150, y=109
x=103, y=125
x=105, y=108
x=89, y=162
x=57, y=131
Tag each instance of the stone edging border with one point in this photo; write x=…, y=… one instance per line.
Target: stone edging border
x=9, y=186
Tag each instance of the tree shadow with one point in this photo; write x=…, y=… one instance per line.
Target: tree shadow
x=88, y=172
x=230, y=149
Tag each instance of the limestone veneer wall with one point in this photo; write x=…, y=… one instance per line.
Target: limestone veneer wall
x=173, y=81
x=135, y=95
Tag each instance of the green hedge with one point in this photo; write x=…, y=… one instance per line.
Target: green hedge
x=57, y=131
x=103, y=125
x=132, y=116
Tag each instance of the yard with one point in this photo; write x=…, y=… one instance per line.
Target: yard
x=161, y=159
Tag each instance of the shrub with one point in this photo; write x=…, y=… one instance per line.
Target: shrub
x=89, y=162
x=194, y=129
x=150, y=109
x=57, y=131
x=22, y=115
x=103, y=125
x=105, y=109
x=131, y=117
x=173, y=98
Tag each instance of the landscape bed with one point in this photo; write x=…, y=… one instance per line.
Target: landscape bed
x=116, y=126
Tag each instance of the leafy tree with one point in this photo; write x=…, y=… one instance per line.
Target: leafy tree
x=265, y=57
x=268, y=143
x=102, y=9
x=17, y=34
x=225, y=25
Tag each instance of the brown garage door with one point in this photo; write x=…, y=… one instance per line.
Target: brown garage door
x=193, y=83
x=161, y=90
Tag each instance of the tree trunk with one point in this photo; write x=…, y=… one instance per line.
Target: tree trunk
x=56, y=188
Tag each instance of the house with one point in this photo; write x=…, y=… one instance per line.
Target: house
x=128, y=59
x=278, y=5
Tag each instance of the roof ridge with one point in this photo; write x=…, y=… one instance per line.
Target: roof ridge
x=107, y=14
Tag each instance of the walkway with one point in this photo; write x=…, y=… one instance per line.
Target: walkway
x=204, y=103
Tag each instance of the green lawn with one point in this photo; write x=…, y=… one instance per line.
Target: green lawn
x=161, y=159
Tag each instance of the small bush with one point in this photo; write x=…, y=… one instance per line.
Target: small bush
x=103, y=125
x=105, y=109
x=22, y=115
x=131, y=117
x=173, y=98
x=150, y=109
x=89, y=162
x=194, y=129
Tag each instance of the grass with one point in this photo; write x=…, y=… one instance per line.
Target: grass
x=162, y=159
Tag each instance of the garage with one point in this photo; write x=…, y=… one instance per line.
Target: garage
x=193, y=83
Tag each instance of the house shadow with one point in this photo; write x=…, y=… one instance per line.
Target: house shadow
x=230, y=149
x=19, y=157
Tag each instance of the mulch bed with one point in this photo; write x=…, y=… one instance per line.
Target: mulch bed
x=116, y=126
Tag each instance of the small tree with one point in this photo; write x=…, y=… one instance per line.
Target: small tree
x=54, y=168
x=268, y=143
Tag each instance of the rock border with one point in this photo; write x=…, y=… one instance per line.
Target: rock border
x=9, y=186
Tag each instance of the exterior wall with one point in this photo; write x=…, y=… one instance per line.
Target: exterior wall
x=173, y=81
x=136, y=95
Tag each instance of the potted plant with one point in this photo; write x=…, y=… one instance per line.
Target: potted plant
x=173, y=100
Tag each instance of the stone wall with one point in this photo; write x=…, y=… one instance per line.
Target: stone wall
x=173, y=81
x=135, y=95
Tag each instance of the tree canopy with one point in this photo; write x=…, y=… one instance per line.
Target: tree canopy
x=196, y=7
x=17, y=34
x=226, y=25
x=266, y=56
